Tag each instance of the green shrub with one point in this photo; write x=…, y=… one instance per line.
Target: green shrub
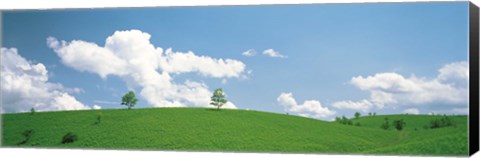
x=399, y=124
x=69, y=138
x=343, y=120
x=435, y=123
x=27, y=133
x=445, y=121
x=385, y=124
x=357, y=124
x=99, y=119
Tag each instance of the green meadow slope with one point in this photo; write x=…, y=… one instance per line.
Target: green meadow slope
x=199, y=129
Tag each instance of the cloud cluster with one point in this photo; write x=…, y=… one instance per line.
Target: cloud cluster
x=309, y=108
x=131, y=56
x=268, y=52
x=450, y=86
x=25, y=85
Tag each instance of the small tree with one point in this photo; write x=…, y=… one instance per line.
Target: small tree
x=385, y=124
x=129, y=99
x=357, y=114
x=338, y=119
x=370, y=114
x=343, y=120
x=399, y=124
x=218, y=98
x=374, y=114
x=32, y=111
x=99, y=119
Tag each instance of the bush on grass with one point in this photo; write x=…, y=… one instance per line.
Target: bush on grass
x=69, y=138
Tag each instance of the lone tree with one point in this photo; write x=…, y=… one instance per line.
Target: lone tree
x=385, y=125
x=357, y=114
x=218, y=98
x=129, y=99
x=399, y=124
x=32, y=111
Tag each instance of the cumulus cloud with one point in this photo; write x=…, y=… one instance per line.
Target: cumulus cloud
x=178, y=62
x=455, y=74
x=84, y=56
x=380, y=98
x=309, y=108
x=229, y=105
x=274, y=54
x=96, y=107
x=131, y=56
x=363, y=105
x=249, y=53
x=412, y=111
x=25, y=85
x=450, y=86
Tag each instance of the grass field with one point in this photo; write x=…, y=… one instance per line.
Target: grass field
x=199, y=129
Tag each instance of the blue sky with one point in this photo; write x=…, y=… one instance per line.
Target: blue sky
x=325, y=47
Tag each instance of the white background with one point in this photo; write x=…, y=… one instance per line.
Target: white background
x=81, y=153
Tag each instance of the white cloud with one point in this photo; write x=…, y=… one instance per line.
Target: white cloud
x=380, y=98
x=96, y=107
x=450, y=86
x=273, y=53
x=131, y=56
x=412, y=111
x=363, y=105
x=249, y=53
x=25, y=85
x=178, y=62
x=85, y=56
x=309, y=108
x=415, y=90
x=391, y=82
x=454, y=73
x=65, y=101
x=229, y=105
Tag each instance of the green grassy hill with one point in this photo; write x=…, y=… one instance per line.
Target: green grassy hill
x=199, y=129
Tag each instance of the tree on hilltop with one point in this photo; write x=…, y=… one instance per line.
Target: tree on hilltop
x=218, y=98
x=129, y=99
x=357, y=114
